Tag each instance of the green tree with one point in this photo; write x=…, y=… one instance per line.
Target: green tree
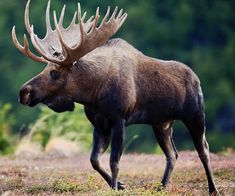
x=199, y=33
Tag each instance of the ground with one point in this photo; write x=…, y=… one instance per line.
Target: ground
x=141, y=174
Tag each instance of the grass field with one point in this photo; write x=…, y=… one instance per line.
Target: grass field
x=141, y=174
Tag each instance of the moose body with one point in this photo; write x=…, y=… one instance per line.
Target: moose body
x=140, y=89
x=118, y=86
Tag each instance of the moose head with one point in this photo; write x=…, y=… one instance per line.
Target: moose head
x=61, y=48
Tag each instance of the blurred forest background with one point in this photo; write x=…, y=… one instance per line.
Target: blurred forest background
x=199, y=33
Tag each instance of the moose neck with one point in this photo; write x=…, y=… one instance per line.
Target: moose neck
x=87, y=79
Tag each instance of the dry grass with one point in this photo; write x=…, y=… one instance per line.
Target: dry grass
x=141, y=174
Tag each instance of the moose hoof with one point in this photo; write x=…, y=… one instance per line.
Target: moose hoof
x=215, y=193
x=121, y=186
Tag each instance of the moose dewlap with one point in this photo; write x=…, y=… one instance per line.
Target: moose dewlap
x=117, y=84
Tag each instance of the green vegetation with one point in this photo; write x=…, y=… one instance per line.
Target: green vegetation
x=6, y=121
x=199, y=33
x=63, y=134
x=62, y=186
x=71, y=126
x=65, y=186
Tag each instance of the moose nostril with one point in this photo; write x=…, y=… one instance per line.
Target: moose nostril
x=25, y=95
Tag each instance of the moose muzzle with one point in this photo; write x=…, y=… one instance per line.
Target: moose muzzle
x=26, y=96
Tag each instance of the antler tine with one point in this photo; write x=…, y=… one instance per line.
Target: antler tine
x=82, y=32
x=15, y=40
x=119, y=14
x=73, y=20
x=25, y=49
x=84, y=16
x=114, y=14
x=89, y=24
x=95, y=20
x=26, y=43
x=122, y=19
x=105, y=17
x=62, y=17
x=55, y=18
x=79, y=11
x=48, y=22
x=89, y=20
x=26, y=17
x=65, y=47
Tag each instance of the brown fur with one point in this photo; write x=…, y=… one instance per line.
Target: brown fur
x=119, y=86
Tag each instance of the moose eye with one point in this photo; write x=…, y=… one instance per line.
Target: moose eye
x=55, y=74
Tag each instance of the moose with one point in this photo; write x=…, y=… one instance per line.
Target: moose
x=118, y=86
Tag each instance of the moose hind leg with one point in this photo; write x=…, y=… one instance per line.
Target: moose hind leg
x=197, y=131
x=163, y=134
x=100, y=145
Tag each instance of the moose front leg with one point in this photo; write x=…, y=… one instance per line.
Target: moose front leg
x=100, y=144
x=117, y=141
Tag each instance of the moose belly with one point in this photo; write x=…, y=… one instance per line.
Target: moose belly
x=150, y=117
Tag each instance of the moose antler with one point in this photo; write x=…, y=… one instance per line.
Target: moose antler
x=63, y=46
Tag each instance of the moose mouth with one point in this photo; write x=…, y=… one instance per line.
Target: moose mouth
x=52, y=104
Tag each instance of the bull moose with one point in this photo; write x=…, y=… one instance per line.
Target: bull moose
x=118, y=86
